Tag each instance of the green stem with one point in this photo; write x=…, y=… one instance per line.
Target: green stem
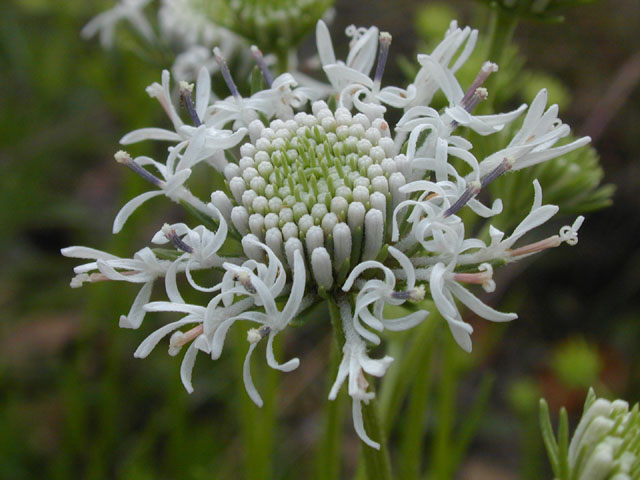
x=398, y=380
x=376, y=461
x=501, y=29
x=440, y=458
x=282, y=60
x=328, y=456
x=413, y=430
x=257, y=424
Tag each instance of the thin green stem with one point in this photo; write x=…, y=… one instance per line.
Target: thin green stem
x=282, y=60
x=328, y=457
x=413, y=429
x=398, y=380
x=501, y=29
x=445, y=411
x=376, y=461
x=256, y=423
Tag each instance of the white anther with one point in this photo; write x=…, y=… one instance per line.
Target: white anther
x=339, y=206
x=374, y=171
x=261, y=157
x=342, y=132
x=299, y=209
x=220, y=200
x=290, y=246
x=355, y=215
x=341, y=244
x=388, y=145
x=271, y=220
x=364, y=162
x=246, y=162
x=291, y=125
x=388, y=166
x=361, y=194
x=364, y=146
x=258, y=184
x=268, y=133
x=289, y=230
x=256, y=225
x=397, y=180
x=231, y=170
x=321, y=266
x=377, y=154
x=265, y=169
x=328, y=123
x=373, y=135
x=248, y=174
x=373, y=234
x=305, y=223
x=318, y=211
x=322, y=114
x=247, y=150
x=314, y=238
x=276, y=124
x=255, y=130
x=283, y=133
x=379, y=201
x=329, y=221
x=380, y=184
x=240, y=219
x=361, y=181
x=357, y=130
x=273, y=239
x=286, y=215
x=275, y=203
x=343, y=116
x=278, y=143
x=263, y=145
x=318, y=106
x=351, y=143
x=362, y=119
x=237, y=187
x=248, y=197
x=343, y=192
x=382, y=125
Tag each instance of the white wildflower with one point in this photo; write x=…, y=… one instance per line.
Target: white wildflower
x=331, y=204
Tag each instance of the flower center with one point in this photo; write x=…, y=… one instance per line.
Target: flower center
x=316, y=170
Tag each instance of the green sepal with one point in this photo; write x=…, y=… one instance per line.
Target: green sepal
x=356, y=246
x=166, y=253
x=256, y=81
x=343, y=272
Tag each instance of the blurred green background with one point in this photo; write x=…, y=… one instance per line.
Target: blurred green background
x=74, y=403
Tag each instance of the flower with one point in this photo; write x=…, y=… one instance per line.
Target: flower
x=332, y=204
x=105, y=23
x=604, y=445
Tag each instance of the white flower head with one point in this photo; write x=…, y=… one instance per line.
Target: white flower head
x=327, y=204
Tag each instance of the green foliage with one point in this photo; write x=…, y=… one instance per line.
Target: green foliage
x=539, y=10
x=275, y=26
x=576, y=364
